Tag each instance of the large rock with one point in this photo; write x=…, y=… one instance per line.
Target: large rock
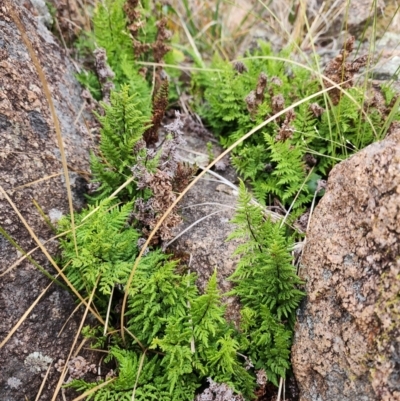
x=30, y=171
x=347, y=340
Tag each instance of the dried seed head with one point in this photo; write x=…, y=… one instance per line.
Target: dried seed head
x=240, y=67
x=316, y=109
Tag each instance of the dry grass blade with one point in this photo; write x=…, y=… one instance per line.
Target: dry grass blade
x=49, y=98
x=43, y=383
x=44, y=250
x=295, y=198
x=94, y=389
x=299, y=22
x=44, y=217
x=37, y=181
x=136, y=339
x=64, y=371
x=192, y=225
x=138, y=374
x=69, y=317
x=197, y=178
x=209, y=204
x=281, y=384
x=108, y=312
x=83, y=342
x=40, y=268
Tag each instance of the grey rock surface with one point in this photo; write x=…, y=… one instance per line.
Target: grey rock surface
x=388, y=68
x=206, y=211
x=31, y=170
x=346, y=343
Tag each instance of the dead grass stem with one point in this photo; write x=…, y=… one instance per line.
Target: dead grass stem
x=47, y=93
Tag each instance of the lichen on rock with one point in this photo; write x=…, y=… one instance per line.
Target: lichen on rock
x=37, y=362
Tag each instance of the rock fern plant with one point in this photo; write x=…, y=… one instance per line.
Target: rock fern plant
x=282, y=161
x=267, y=286
x=123, y=124
x=178, y=337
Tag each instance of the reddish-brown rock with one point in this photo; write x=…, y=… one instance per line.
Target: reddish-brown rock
x=347, y=340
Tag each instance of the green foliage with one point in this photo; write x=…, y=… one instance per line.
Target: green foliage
x=179, y=337
x=273, y=159
x=259, y=159
x=287, y=179
x=130, y=369
x=267, y=285
x=187, y=331
x=207, y=315
x=89, y=80
x=156, y=294
x=111, y=33
x=123, y=124
x=188, y=328
x=107, y=247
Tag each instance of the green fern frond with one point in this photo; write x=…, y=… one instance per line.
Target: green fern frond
x=267, y=285
x=207, y=314
x=157, y=293
x=107, y=247
x=123, y=125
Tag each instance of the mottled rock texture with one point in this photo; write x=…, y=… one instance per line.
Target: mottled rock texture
x=31, y=170
x=206, y=211
x=347, y=341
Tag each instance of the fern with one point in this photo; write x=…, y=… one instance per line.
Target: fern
x=107, y=247
x=181, y=337
x=207, y=315
x=156, y=294
x=178, y=355
x=111, y=33
x=276, y=167
x=287, y=179
x=165, y=313
x=129, y=370
x=349, y=126
x=123, y=126
x=266, y=283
